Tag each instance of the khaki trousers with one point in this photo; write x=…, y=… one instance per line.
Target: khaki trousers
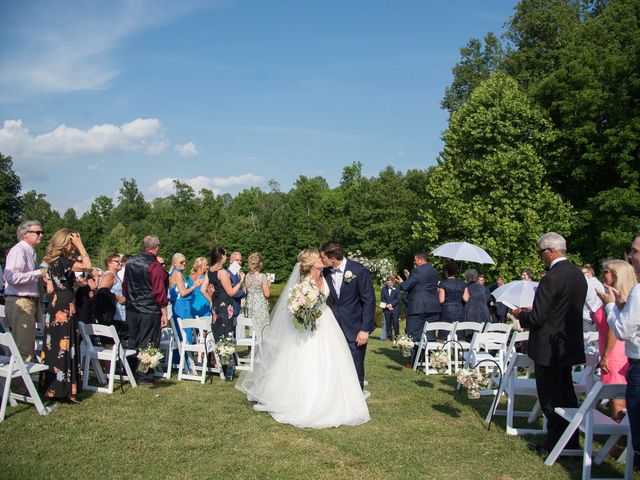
x=22, y=314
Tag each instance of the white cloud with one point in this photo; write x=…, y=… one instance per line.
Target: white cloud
x=140, y=135
x=186, y=150
x=164, y=186
x=67, y=46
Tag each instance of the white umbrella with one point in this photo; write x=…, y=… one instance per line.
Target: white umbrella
x=463, y=251
x=519, y=293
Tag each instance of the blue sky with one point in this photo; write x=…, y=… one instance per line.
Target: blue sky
x=225, y=94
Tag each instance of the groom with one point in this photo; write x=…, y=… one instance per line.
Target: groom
x=352, y=300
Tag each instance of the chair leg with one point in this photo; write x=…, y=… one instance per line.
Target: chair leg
x=112, y=370
x=5, y=396
x=181, y=363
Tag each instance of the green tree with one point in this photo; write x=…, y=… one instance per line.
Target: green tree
x=10, y=205
x=489, y=186
x=36, y=207
x=476, y=65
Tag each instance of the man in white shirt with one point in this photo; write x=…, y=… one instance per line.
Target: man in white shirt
x=623, y=316
x=23, y=306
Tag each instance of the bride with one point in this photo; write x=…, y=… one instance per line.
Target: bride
x=305, y=378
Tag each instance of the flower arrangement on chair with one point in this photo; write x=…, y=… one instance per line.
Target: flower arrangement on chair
x=404, y=343
x=472, y=379
x=149, y=357
x=439, y=359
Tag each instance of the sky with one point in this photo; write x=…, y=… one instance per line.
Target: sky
x=225, y=94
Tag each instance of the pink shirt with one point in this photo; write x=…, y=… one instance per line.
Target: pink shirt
x=20, y=273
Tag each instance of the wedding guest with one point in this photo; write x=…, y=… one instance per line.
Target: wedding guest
x=555, y=336
x=613, y=361
x=109, y=300
x=623, y=317
x=223, y=292
x=123, y=263
x=145, y=288
x=453, y=294
x=390, y=296
x=85, y=287
x=236, y=257
x=258, y=290
x=527, y=274
x=61, y=348
x=180, y=295
x=23, y=306
x=592, y=303
x=423, y=304
x=476, y=309
x=200, y=304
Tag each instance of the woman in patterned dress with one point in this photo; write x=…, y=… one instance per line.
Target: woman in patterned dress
x=61, y=349
x=258, y=290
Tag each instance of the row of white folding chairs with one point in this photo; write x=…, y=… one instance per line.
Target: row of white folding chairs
x=454, y=343
x=194, y=357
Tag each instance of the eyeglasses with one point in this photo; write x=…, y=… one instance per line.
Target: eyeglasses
x=37, y=232
x=179, y=263
x=116, y=261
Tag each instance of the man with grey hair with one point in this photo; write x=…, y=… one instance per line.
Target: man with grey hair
x=555, y=338
x=145, y=288
x=236, y=278
x=23, y=307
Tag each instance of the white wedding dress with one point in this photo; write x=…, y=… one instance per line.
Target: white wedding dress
x=304, y=378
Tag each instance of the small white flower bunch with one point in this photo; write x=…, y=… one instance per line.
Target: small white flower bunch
x=439, y=359
x=405, y=343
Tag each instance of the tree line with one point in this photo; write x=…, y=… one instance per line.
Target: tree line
x=543, y=134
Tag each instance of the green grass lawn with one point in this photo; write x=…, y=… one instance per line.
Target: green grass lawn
x=419, y=429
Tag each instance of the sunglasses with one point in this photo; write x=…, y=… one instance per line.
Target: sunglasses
x=37, y=232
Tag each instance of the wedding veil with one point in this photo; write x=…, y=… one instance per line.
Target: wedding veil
x=280, y=333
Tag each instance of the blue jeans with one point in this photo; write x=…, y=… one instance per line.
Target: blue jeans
x=632, y=397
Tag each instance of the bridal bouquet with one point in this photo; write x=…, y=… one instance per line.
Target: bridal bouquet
x=405, y=343
x=149, y=358
x=226, y=349
x=304, y=303
x=473, y=380
x=439, y=359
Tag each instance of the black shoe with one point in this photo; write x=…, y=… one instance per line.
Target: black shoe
x=538, y=449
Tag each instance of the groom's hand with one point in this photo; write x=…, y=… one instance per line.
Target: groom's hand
x=362, y=338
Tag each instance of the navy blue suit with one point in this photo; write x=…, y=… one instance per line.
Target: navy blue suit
x=423, y=303
x=392, y=318
x=354, y=309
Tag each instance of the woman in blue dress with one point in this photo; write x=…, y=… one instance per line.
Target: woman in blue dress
x=180, y=295
x=200, y=304
x=477, y=309
x=453, y=294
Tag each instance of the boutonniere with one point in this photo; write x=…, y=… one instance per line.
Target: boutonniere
x=348, y=276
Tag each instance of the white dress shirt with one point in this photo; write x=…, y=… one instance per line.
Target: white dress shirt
x=337, y=274
x=625, y=323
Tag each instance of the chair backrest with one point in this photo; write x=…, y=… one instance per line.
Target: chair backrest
x=200, y=324
x=244, y=328
x=6, y=340
x=489, y=341
x=498, y=327
x=88, y=330
x=443, y=326
x=475, y=326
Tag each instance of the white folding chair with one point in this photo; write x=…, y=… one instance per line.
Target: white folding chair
x=593, y=422
x=112, y=354
x=461, y=345
x=245, y=337
x=514, y=385
x=427, y=347
x=12, y=366
x=200, y=361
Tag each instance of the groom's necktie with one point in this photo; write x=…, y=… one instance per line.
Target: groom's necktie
x=335, y=278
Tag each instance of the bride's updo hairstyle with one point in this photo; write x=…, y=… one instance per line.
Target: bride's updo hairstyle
x=307, y=258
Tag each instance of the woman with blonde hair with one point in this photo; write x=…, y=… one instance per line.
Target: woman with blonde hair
x=258, y=290
x=180, y=295
x=305, y=377
x=613, y=361
x=200, y=304
x=65, y=255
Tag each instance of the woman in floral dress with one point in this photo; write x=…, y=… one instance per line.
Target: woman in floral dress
x=61, y=349
x=258, y=290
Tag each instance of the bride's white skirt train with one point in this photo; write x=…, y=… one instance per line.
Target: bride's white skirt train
x=309, y=381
